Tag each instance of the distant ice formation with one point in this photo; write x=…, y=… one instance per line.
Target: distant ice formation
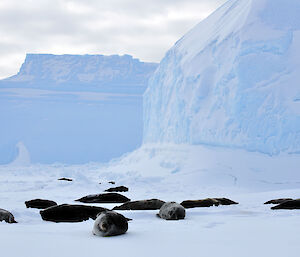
x=73, y=109
x=84, y=70
x=232, y=81
x=23, y=157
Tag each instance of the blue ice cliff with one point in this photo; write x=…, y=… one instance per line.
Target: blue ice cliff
x=232, y=81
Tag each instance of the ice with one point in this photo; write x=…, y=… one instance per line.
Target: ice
x=73, y=108
x=232, y=81
x=247, y=229
x=82, y=72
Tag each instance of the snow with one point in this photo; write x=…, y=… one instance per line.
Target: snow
x=170, y=173
x=59, y=116
x=232, y=81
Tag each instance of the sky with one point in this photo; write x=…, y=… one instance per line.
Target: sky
x=145, y=29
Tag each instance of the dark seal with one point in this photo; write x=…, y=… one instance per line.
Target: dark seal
x=278, y=201
x=40, y=203
x=172, y=211
x=151, y=204
x=200, y=203
x=7, y=216
x=104, y=198
x=110, y=223
x=117, y=189
x=65, y=179
x=208, y=202
x=288, y=205
x=70, y=213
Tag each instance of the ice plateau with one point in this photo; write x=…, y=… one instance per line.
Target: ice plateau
x=83, y=72
x=72, y=108
x=232, y=81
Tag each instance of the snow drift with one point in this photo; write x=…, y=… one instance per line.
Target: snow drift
x=232, y=81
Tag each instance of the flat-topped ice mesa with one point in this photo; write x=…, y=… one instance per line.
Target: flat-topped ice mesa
x=72, y=108
x=232, y=81
x=82, y=70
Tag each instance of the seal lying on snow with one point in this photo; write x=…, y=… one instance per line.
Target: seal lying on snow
x=110, y=223
x=117, y=189
x=40, y=203
x=65, y=179
x=200, y=203
x=207, y=202
x=171, y=211
x=152, y=204
x=104, y=198
x=288, y=205
x=278, y=201
x=70, y=213
x=7, y=216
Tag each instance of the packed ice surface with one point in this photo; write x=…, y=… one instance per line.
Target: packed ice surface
x=72, y=108
x=232, y=81
x=170, y=173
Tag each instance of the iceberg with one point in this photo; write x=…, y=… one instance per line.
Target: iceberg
x=232, y=81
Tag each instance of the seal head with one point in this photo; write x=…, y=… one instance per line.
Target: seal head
x=110, y=223
x=7, y=216
x=172, y=211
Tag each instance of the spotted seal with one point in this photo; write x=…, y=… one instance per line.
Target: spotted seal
x=7, y=216
x=110, y=223
x=171, y=211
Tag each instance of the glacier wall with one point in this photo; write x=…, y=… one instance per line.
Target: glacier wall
x=72, y=109
x=232, y=81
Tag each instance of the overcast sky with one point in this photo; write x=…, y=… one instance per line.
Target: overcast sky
x=145, y=29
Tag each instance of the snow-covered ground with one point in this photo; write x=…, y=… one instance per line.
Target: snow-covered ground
x=167, y=172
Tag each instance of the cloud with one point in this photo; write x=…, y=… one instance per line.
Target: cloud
x=142, y=28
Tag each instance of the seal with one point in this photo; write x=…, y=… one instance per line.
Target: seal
x=40, y=203
x=278, y=201
x=110, y=223
x=104, y=198
x=65, y=179
x=7, y=216
x=151, y=204
x=172, y=211
x=70, y=213
x=208, y=202
x=288, y=205
x=117, y=189
x=200, y=203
